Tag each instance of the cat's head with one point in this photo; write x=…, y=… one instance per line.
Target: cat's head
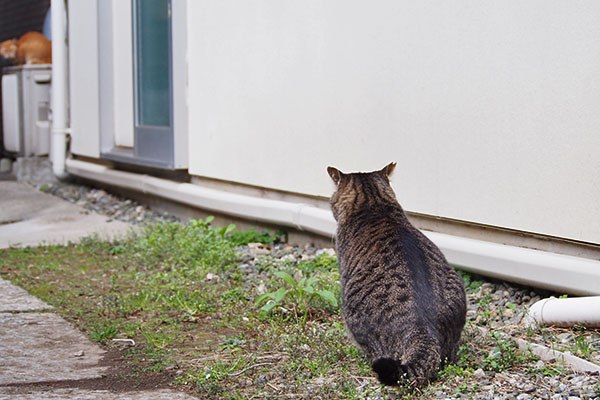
x=8, y=49
x=359, y=189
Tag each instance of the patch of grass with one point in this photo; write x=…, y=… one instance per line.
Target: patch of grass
x=240, y=238
x=103, y=333
x=581, y=346
x=323, y=262
x=451, y=371
x=178, y=291
x=190, y=250
x=504, y=353
x=470, y=283
x=548, y=370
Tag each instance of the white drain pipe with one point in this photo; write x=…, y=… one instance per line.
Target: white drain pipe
x=583, y=311
x=58, y=143
x=300, y=216
x=536, y=268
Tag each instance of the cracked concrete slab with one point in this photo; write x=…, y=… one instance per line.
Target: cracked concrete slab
x=29, y=217
x=15, y=299
x=38, y=347
x=13, y=393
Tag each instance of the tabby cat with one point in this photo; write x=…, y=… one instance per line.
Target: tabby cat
x=31, y=48
x=402, y=303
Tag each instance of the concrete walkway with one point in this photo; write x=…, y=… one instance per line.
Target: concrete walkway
x=29, y=217
x=36, y=345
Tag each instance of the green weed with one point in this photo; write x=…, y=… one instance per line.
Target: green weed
x=471, y=285
x=189, y=250
x=504, y=353
x=103, y=333
x=548, y=370
x=324, y=262
x=581, y=347
x=300, y=295
x=241, y=238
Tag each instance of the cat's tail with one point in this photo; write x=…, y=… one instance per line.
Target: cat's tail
x=390, y=372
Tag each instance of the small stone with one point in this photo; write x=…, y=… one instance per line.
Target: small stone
x=529, y=387
x=330, y=252
x=261, y=380
x=561, y=388
x=79, y=354
x=211, y=277
x=305, y=347
x=576, y=380
x=523, y=396
x=479, y=373
x=261, y=289
x=259, y=249
x=564, y=337
x=507, y=313
x=288, y=257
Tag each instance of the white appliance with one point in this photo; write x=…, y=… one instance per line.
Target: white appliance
x=26, y=109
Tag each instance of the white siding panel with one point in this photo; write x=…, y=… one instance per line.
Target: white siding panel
x=491, y=109
x=123, y=73
x=84, y=78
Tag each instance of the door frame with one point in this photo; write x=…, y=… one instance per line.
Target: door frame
x=150, y=147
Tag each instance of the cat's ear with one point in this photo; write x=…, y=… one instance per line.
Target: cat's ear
x=335, y=174
x=388, y=169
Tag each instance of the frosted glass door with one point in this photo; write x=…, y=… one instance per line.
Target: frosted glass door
x=153, y=99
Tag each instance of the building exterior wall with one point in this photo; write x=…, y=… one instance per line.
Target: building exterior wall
x=490, y=109
x=84, y=78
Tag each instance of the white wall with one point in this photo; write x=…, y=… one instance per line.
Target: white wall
x=122, y=37
x=93, y=74
x=83, y=77
x=491, y=109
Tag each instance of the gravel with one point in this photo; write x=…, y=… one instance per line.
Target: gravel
x=101, y=202
x=494, y=307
